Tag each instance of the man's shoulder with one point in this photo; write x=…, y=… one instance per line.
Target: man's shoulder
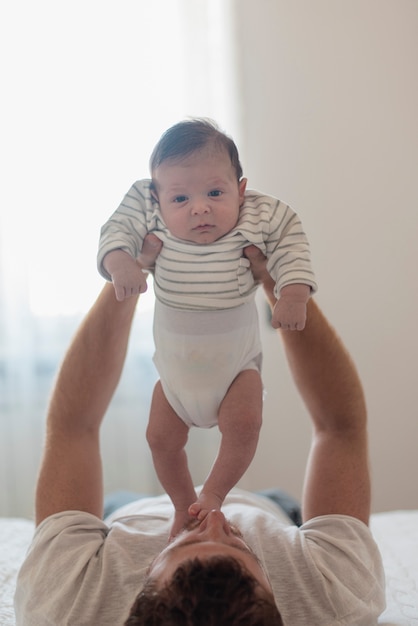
x=328, y=537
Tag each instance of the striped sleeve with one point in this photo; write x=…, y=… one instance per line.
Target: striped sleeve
x=128, y=225
x=288, y=250
x=276, y=229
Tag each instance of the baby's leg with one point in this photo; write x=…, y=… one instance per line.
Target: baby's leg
x=167, y=436
x=240, y=417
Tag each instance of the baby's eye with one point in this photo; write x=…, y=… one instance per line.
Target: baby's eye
x=180, y=199
x=215, y=193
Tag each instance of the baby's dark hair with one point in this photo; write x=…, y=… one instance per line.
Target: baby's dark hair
x=190, y=135
x=214, y=592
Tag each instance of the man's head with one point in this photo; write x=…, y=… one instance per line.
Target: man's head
x=212, y=592
x=197, y=180
x=207, y=576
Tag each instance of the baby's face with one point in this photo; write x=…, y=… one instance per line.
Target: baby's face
x=199, y=196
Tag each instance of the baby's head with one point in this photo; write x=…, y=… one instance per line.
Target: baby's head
x=189, y=136
x=197, y=180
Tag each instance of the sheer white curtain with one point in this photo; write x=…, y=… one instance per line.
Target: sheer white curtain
x=88, y=87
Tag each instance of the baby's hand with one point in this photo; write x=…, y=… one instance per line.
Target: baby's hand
x=129, y=281
x=289, y=312
x=205, y=503
x=127, y=276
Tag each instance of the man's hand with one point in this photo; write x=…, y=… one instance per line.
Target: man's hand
x=258, y=264
x=150, y=250
x=128, y=275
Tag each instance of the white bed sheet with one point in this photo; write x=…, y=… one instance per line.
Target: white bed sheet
x=396, y=533
x=15, y=537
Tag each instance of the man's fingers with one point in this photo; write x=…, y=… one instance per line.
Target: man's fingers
x=150, y=250
x=257, y=262
x=258, y=266
x=254, y=255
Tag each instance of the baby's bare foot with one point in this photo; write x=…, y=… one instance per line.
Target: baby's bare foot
x=206, y=502
x=181, y=519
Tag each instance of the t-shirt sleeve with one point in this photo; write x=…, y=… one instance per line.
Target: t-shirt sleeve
x=62, y=554
x=344, y=553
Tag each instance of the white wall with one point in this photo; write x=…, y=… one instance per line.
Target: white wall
x=329, y=103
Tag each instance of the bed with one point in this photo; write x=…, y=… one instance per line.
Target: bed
x=396, y=533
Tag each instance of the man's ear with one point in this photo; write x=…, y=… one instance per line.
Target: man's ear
x=242, y=186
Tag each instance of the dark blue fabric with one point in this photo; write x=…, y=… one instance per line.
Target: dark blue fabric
x=286, y=502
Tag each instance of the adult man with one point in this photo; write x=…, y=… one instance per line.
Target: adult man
x=82, y=571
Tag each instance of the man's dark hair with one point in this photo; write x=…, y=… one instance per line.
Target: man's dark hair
x=189, y=136
x=214, y=592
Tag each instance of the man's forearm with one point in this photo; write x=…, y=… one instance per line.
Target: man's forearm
x=93, y=364
x=323, y=371
x=70, y=476
x=337, y=479
x=325, y=374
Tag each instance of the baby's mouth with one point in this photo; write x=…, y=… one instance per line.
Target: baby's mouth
x=203, y=227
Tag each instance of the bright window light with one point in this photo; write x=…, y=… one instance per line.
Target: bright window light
x=88, y=87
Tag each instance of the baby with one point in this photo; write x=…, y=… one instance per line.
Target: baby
x=206, y=331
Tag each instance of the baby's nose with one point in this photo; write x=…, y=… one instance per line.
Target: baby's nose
x=200, y=206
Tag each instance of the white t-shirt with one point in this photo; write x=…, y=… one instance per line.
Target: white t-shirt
x=81, y=571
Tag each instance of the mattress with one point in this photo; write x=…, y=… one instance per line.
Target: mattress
x=15, y=537
x=396, y=533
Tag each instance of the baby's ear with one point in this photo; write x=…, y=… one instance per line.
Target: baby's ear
x=153, y=191
x=242, y=186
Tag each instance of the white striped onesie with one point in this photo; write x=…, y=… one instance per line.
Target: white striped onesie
x=191, y=279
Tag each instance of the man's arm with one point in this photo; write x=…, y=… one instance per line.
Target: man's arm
x=337, y=476
x=71, y=473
